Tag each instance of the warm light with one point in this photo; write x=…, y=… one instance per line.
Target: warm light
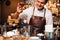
x=58, y=4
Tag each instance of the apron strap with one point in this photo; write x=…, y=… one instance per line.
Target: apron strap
x=44, y=12
x=33, y=12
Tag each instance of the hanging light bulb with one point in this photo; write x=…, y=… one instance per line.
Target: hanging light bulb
x=58, y=3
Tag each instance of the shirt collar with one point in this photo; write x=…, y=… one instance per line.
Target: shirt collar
x=38, y=10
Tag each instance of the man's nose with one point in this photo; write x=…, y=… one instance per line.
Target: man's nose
x=39, y=3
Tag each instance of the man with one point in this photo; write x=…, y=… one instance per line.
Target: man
x=13, y=20
x=13, y=17
x=40, y=13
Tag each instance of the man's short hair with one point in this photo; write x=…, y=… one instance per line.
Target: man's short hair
x=46, y=1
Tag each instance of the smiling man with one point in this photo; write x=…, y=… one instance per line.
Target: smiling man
x=38, y=16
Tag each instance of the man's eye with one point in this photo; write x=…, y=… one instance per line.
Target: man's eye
x=42, y=2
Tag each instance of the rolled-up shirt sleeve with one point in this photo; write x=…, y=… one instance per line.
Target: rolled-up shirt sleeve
x=49, y=19
x=27, y=14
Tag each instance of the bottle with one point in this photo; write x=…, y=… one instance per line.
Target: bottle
x=1, y=30
x=4, y=30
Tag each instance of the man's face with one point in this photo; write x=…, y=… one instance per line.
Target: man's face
x=39, y=4
x=12, y=14
x=20, y=7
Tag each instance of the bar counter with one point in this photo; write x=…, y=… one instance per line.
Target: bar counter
x=15, y=37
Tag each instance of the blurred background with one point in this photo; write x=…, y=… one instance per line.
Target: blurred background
x=8, y=6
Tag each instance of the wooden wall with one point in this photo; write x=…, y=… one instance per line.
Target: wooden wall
x=0, y=12
x=5, y=10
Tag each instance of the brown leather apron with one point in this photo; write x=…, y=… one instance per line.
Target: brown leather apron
x=37, y=22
